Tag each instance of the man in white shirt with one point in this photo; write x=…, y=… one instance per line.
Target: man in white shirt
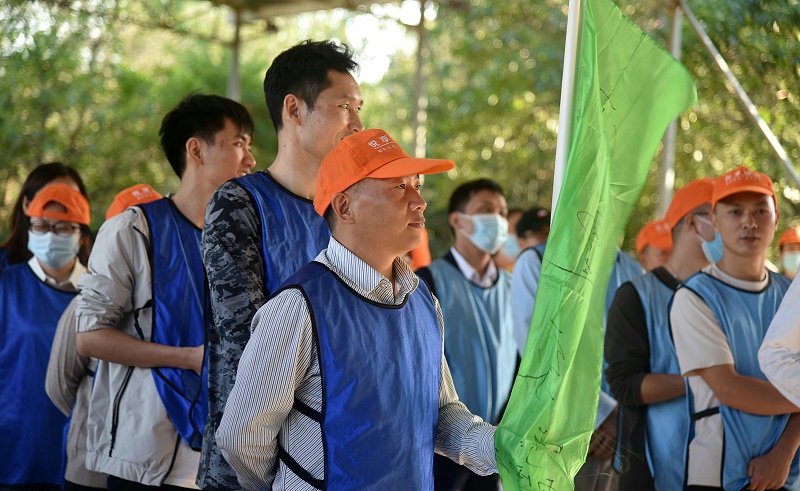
x=475, y=297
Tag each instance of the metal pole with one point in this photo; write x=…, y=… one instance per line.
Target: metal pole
x=234, y=90
x=666, y=182
x=567, y=90
x=750, y=109
x=420, y=99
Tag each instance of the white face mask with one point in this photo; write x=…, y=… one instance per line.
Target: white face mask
x=790, y=262
x=54, y=250
x=491, y=231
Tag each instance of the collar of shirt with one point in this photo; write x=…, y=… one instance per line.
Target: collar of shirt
x=364, y=279
x=471, y=274
x=70, y=283
x=752, y=286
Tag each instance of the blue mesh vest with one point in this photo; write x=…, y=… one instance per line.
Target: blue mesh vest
x=292, y=233
x=744, y=318
x=381, y=368
x=32, y=428
x=478, y=338
x=179, y=313
x=667, y=427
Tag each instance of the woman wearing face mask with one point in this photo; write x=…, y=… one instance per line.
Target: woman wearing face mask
x=33, y=296
x=789, y=245
x=15, y=248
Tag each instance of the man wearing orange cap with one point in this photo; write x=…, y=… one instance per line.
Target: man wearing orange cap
x=741, y=434
x=654, y=244
x=261, y=228
x=138, y=194
x=141, y=310
x=642, y=367
x=344, y=383
x=789, y=247
x=32, y=297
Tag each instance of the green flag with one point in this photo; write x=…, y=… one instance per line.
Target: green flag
x=626, y=91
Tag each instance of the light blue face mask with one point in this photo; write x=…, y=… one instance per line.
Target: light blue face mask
x=791, y=262
x=491, y=231
x=713, y=249
x=510, y=246
x=54, y=250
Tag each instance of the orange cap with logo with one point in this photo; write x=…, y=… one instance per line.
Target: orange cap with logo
x=742, y=180
x=369, y=153
x=134, y=195
x=789, y=236
x=656, y=234
x=78, y=209
x=696, y=193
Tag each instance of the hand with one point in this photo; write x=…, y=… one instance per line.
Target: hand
x=604, y=438
x=770, y=470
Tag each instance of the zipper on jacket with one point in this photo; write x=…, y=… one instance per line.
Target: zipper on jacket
x=115, y=414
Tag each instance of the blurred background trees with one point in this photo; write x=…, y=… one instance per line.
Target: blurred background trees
x=86, y=82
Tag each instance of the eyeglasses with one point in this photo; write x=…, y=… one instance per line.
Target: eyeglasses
x=63, y=229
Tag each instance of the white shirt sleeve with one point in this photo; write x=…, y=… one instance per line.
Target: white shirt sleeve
x=605, y=405
x=524, y=283
x=460, y=435
x=779, y=356
x=273, y=364
x=699, y=340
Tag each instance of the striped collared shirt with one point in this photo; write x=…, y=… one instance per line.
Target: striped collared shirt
x=280, y=363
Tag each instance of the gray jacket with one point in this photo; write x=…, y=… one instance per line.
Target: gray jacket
x=69, y=386
x=129, y=432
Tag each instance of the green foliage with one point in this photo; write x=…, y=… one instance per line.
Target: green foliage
x=88, y=82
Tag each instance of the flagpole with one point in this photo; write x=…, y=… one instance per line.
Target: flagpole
x=567, y=92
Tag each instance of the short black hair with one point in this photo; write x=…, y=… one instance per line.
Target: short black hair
x=201, y=116
x=464, y=192
x=533, y=221
x=302, y=70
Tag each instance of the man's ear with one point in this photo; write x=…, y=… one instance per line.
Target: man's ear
x=293, y=108
x=341, y=205
x=194, y=150
x=452, y=218
x=690, y=222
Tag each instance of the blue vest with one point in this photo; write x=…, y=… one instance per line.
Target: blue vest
x=292, y=233
x=381, y=370
x=31, y=427
x=667, y=427
x=744, y=318
x=478, y=338
x=179, y=308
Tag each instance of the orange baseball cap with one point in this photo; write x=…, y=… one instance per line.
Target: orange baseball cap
x=789, y=236
x=134, y=195
x=78, y=209
x=369, y=153
x=696, y=193
x=657, y=234
x=742, y=180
